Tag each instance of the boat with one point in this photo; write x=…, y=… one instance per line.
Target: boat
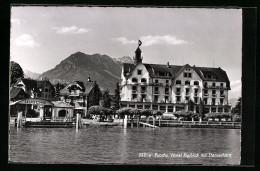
x=93, y=122
x=48, y=124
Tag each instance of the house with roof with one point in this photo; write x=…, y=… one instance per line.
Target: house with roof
x=41, y=89
x=17, y=94
x=169, y=87
x=76, y=95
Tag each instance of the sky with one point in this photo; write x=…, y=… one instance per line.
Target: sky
x=41, y=37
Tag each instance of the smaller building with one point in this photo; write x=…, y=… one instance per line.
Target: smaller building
x=62, y=110
x=41, y=89
x=17, y=94
x=76, y=95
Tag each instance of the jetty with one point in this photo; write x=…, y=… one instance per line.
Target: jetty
x=147, y=125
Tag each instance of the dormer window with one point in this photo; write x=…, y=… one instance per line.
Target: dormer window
x=139, y=72
x=134, y=80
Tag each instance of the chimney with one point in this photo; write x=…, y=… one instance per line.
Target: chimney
x=168, y=64
x=89, y=80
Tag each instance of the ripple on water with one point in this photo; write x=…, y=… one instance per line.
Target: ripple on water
x=95, y=144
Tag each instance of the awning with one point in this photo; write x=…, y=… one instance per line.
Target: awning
x=33, y=101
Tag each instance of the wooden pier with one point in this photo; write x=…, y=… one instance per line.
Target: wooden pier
x=148, y=125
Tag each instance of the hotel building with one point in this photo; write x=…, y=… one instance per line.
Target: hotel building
x=169, y=87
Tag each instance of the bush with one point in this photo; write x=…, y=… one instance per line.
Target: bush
x=218, y=115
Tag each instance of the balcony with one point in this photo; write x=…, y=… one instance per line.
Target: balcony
x=187, y=94
x=134, y=92
x=206, y=94
x=214, y=95
x=143, y=91
x=157, y=92
x=222, y=96
x=178, y=93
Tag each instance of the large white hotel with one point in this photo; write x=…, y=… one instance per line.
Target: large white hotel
x=169, y=87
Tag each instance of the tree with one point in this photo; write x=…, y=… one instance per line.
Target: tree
x=16, y=72
x=106, y=99
x=94, y=95
x=238, y=106
x=57, y=88
x=202, y=109
x=117, y=96
x=190, y=105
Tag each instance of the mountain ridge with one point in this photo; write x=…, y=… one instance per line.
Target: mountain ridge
x=78, y=66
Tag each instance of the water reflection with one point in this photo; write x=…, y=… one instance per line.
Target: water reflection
x=95, y=144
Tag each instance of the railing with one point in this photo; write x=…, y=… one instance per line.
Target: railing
x=134, y=92
x=205, y=94
x=178, y=93
x=222, y=96
x=156, y=92
x=143, y=91
x=214, y=95
x=61, y=119
x=187, y=94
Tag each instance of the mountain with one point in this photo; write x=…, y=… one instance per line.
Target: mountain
x=124, y=59
x=29, y=74
x=78, y=66
x=233, y=102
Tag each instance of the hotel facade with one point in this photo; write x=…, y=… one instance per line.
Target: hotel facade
x=169, y=88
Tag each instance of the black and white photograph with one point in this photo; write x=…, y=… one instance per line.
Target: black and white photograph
x=125, y=85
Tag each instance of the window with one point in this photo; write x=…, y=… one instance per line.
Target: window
x=143, y=97
x=221, y=84
x=156, y=81
x=143, y=80
x=166, y=98
x=179, y=108
x=226, y=109
x=205, y=100
x=46, y=90
x=178, y=91
x=213, y=109
x=156, y=98
x=170, y=108
x=220, y=109
x=213, y=92
x=213, y=84
x=163, y=108
x=189, y=75
x=156, y=89
x=166, y=90
x=132, y=106
x=134, y=88
x=155, y=107
x=213, y=101
x=178, y=82
x=196, y=83
x=134, y=80
x=205, y=92
x=197, y=109
x=178, y=99
x=147, y=106
x=221, y=101
x=195, y=90
x=205, y=84
x=134, y=96
x=143, y=88
x=187, y=82
x=139, y=72
x=187, y=98
x=185, y=74
x=139, y=106
x=196, y=99
x=221, y=92
x=166, y=81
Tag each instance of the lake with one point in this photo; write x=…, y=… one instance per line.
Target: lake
x=105, y=145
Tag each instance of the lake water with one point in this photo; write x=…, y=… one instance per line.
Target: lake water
x=95, y=145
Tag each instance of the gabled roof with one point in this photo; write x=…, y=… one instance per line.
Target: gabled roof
x=29, y=83
x=175, y=70
x=15, y=91
x=86, y=87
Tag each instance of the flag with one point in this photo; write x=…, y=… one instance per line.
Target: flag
x=139, y=43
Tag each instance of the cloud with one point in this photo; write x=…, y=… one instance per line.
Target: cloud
x=153, y=40
x=26, y=40
x=70, y=30
x=17, y=21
